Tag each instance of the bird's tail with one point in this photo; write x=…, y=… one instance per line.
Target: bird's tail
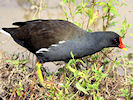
x=8, y=31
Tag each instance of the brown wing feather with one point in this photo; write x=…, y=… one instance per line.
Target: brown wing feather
x=43, y=33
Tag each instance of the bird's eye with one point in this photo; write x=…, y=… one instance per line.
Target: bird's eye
x=115, y=40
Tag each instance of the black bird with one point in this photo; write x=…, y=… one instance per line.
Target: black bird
x=53, y=40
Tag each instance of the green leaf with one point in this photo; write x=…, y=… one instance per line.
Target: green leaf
x=24, y=61
x=104, y=75
x=70, y=62
x=131, y=81
x=76, y=73
x=100, y=69
x=125, y=92
x=124, y=22
x=89, y=86
x=101, y=98
x=72, y=54
x=63, y=19
x=85, y=4
x=21, y=88
x=78, y=24
x=18, y=93
x=79, y=87
x=83, y=83
x=78, y=60
x=113, y=23
x=66, y=1
x=74, y=2
x=10, y=90
x=105, y=10
x=15, y=62
x=114, y=11
x=131, y=34
x=103, y=4
x=116, y=2
x=89, y=30
x=78, y=9
x=20, y=84
x=95, y=97
x=129, y=25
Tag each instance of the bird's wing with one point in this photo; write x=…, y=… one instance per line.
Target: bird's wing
x=38, y=34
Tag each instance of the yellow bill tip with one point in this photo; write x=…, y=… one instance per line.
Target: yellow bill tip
x=125, y=49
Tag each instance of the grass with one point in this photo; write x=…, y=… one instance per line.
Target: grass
x=77, y=80
x=95, y=77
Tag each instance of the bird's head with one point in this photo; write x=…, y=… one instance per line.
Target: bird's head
x=115, y=40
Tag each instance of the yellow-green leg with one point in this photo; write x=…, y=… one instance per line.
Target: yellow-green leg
x=39, y=73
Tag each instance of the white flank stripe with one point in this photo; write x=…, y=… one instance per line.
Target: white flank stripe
x=4, y=32
x=54, y=45
x=42, y=50
x=60, y=42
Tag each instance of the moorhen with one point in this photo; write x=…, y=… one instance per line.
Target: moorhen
x=53, y=40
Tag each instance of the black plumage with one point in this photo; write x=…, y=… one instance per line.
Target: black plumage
x=53, y=40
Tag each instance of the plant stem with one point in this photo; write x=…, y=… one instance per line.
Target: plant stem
x=69, y=5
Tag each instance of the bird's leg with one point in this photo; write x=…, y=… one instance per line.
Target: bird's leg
x=40, y=75
x=39, y=72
